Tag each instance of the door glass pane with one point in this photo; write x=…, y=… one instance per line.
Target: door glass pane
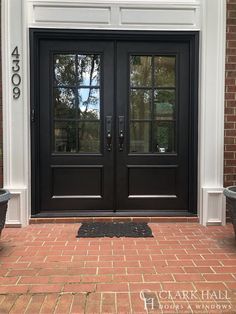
x=164, y=137
x=76, y=101
x=164, y=71
x=89, y=103
x=65, y=137
x=64, y=69
x=164, y=104
x=140, y=137
x=152, y=98
x=64, y=103
x=140, y=104
x=89, y=137
x=140, y=71
x=89, y=70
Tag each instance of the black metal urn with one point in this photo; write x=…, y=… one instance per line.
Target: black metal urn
x=230, y=193
x=5, y=195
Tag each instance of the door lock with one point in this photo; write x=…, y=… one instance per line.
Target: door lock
x=109, y=133
x=121, y=124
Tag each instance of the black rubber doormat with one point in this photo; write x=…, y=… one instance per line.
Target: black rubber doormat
x=114, y=229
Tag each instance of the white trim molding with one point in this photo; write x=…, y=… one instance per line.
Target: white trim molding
x=214, y=202
x=207, y=16
x=211, y=111
x=16, y=130
x=115, y=14
x=16, y=215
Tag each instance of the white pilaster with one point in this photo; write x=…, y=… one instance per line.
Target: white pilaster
x=211, y=117
x=15, y=113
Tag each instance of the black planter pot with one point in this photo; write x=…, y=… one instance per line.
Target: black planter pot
x=230, y=193
x=4, y=198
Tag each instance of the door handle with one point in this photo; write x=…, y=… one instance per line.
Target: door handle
x=109, y=132
x=121, y=126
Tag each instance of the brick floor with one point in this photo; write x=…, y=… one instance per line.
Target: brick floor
x=185, y=268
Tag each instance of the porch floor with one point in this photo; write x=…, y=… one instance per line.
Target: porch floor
x=185, y=268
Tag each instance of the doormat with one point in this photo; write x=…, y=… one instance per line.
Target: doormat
x=114, y=229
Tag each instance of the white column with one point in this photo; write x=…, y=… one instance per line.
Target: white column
x=211, y=114
x=15, y=113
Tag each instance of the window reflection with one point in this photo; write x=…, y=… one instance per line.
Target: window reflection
x=64, y=137
x=64, y=69
x=64, y=103
x=141, y=71
x=164, y=71
x=152, y=104
x=89, y=103
x=164, y=136
x=89, y=137
x=76, y=103
x=140, y=104
x=88, y=70
x=164, y=104
x=140, y=133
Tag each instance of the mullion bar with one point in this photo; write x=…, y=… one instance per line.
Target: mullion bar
x=165, y=120
x=152, y=107
x=76, y=120
x=140, y=120
x=76, y=85
x=155, y=87
x=77, y=105
x=141, y=87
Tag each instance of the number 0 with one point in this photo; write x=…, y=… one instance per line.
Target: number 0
x=16, y=79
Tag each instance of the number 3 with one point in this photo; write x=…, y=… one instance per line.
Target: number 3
x=16, y=66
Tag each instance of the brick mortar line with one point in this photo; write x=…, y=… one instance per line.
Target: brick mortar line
x=130, y=303
x=72, y=302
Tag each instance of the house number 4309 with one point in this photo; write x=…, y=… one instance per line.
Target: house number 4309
x=16, y=78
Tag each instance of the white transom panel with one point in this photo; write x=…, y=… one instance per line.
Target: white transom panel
x=181, y=15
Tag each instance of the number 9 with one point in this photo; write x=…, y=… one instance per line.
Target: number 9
x=16, y=92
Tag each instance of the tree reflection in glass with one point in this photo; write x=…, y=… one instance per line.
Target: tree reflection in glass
x=89, y=137
x=164, y=71
x=89, y=103
x=76, y=100
x=64, y=69
x=88, y=70
x=152, y=105
x=164, y=104
x=140, y=104
x=64, y=137
x=64, y=103
x=140, y=71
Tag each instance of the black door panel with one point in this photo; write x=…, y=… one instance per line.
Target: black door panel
x=153, y=89
x=76, y=168
x=116, y=123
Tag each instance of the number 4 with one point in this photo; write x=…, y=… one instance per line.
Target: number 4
x=15, y=53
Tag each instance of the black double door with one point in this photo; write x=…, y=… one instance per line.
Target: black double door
x=112, y=127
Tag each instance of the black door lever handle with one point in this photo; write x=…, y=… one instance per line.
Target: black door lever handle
x=121, y=124
x=109, y=133
x=109, y=138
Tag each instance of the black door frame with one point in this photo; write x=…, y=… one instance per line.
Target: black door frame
x=192, y=37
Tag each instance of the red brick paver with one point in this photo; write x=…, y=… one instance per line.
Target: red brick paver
x=184, y=268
